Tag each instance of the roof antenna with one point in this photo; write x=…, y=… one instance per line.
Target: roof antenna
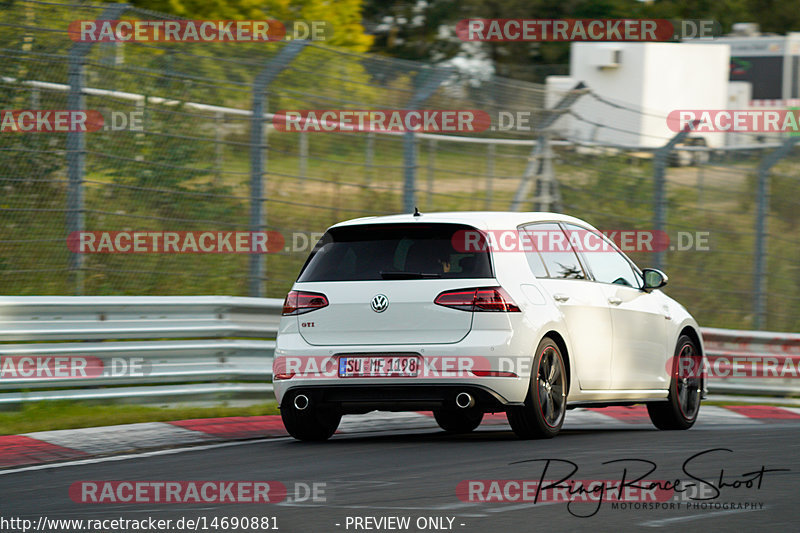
x=416, y=212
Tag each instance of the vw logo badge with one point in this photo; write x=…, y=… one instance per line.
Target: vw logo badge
x=379, y=303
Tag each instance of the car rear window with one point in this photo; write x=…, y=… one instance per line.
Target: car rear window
x=393, y=251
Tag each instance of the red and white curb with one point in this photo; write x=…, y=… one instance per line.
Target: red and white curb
x=70, y=444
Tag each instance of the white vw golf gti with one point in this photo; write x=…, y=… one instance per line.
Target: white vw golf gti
x=467, y=313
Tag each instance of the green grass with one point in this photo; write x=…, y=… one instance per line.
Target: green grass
x=45, y=416
x=772, y=402
x=178, y=176
x=607, y=190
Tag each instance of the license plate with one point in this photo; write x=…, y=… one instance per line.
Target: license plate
x=379, y=366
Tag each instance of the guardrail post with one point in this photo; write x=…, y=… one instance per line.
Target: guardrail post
x=76, y=146
x=258, y=215
x=426, y=81
x=760, y=252
x=540, y=167
x=659, y=183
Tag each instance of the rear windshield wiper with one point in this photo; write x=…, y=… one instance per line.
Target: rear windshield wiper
x=409, y=275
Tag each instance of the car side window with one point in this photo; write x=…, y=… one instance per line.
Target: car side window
x=555, y=251
x=605, y=262
x=535, y=261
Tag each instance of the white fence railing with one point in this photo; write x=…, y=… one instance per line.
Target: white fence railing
x=212, y=347
x=753, y=362
x=137, y=347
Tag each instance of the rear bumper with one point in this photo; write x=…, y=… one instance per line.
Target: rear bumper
x=494, y=350
x=357, y=399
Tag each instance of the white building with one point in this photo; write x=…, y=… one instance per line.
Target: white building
x=637, y=86
x=770, y=63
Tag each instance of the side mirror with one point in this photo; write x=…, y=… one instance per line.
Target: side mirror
x=654, y=279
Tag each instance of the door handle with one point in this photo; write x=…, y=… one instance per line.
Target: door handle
x=560, y=297
x=614, y=300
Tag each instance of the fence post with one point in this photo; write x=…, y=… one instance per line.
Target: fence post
x=369, y=154
x=659, y=194
x=409, y=171
x=426, y=81
x=540, y=166
x=701, y=183
x=490, y=155
x=258, y=215
x=76, y=146
x=760, y=252
x=302, y=164
x=547, y=196
x=431, y=172
x=219, y=124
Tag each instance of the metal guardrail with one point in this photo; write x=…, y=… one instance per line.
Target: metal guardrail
x=141, y=347
x=755, y=350
x=213, y=347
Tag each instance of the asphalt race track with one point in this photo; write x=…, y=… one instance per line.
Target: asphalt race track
x=413, y=475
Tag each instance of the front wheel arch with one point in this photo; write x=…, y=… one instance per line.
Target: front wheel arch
x=692, y=333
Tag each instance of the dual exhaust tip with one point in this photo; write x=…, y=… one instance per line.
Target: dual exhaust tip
x=464, y=400
x=301, y=402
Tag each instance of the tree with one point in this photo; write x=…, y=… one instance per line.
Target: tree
x=423, y=30
x=344, y=16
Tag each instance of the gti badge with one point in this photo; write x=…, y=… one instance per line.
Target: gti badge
x=379, y=303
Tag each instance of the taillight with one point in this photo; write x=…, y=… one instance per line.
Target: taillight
x=480, y=299
x=299, y=302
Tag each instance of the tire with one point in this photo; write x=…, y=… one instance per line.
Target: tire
x=311, y=424
x=683, y=404
x=546, y=402
x=461, y=421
